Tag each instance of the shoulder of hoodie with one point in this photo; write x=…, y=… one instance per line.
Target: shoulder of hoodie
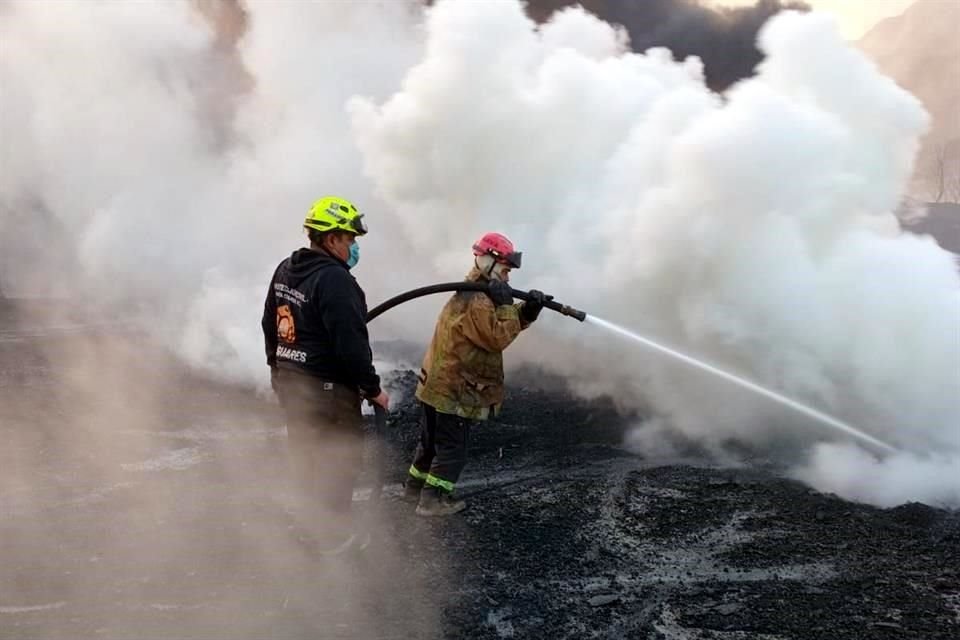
x=284, y=265
x=338, y=276
x=332, y=271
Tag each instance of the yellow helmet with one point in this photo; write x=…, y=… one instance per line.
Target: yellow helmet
x=331, y=213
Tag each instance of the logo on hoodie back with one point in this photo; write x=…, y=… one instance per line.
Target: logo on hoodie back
x=286, y=327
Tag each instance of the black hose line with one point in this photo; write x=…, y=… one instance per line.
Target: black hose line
x=467, y=286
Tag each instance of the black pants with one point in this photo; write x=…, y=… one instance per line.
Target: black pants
x=324, y=441
x=441, y=453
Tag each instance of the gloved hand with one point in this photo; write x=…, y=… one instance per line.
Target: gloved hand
x=531, y=309
x=500, y=293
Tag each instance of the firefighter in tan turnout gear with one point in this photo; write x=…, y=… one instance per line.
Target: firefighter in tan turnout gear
x=461, y=381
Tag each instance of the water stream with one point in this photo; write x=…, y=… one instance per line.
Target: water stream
x=817, y=415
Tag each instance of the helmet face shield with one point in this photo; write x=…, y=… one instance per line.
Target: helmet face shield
x=512, y=259
x=359, y=225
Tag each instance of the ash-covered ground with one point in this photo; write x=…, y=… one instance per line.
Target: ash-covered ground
x=141, y=500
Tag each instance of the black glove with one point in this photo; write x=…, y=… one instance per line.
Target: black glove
x=500, y=293
x=531, y=309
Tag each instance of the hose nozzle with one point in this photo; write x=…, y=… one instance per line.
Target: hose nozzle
x=554, y=306
x=573, y=313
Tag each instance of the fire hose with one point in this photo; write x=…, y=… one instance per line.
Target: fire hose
x=468, y=286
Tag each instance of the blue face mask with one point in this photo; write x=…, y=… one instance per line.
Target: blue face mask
x=354, y=256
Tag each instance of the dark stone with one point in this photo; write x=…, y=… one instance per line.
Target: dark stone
x=603, y=600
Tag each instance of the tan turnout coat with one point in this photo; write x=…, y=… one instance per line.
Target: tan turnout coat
x=462, y=372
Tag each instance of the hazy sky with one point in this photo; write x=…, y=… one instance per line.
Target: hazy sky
x=855, y=16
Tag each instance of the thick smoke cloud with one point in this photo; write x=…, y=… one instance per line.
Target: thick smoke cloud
x=155, y=162
x=724, y=38
x=753, y=230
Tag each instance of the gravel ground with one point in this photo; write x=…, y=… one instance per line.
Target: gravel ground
x=140, y=500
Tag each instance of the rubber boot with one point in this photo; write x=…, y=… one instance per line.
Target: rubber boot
x=361, y=540
x=411, y=490
x=334, y=537
x=334, y=546
x=436, y=502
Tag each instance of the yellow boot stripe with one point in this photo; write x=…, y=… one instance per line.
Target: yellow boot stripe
x=416, y=473
x=440, y=483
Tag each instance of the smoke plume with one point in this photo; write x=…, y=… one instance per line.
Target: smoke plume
x=752, y=228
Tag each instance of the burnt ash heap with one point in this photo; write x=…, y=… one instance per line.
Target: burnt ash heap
x=181, y=526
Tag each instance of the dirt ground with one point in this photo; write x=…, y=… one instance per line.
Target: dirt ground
x=141, y=500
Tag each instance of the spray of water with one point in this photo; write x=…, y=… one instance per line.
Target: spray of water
x=747, y=384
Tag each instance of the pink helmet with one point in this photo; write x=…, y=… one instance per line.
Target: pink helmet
x=498, y=246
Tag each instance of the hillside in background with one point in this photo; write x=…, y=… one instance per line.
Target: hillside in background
x=942, y=221
x=920, y=50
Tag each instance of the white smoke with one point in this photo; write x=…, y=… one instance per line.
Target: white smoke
x=848, y=471
x=128, y=189
x=752, y=229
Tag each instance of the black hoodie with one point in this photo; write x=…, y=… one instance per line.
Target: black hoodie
x=314, y=321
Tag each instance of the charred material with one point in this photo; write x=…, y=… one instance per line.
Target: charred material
x=145, y=501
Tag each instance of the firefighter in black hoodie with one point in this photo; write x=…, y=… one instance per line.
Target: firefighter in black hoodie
x=321, y=366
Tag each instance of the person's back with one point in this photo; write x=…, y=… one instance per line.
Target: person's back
x=318, y=350
x=314, y=299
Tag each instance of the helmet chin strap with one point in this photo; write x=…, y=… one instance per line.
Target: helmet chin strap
x=489, y=267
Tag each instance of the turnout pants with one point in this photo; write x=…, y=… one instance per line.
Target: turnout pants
x=441, y=453
x=324, y=442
